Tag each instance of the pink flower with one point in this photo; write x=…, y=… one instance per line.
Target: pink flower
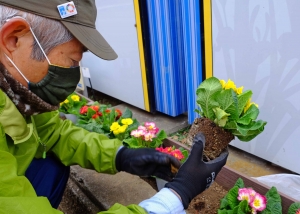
x=259, y=202
x=148, y=136
x=154, y=130
x=298, y=211
x=244, y=194
x=142, y=128
x=149, y=125
x=137, y=133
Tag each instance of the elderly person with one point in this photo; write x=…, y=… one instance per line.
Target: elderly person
x=41, y=44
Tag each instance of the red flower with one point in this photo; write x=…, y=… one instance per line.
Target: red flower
x=100, y=114
x=95, y=108
x=119, y=113
x=107, y=110
x=83, y=109
x=95, y=116
x=174, y=152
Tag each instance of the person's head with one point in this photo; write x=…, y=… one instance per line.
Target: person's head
x=63, y=40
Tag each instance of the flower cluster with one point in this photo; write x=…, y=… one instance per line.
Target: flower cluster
x=146, y=132
x=256, y=201
x=147, y=135
x=96, y=108
x=72, y=104
x=177, y=153
x=105, y=120
x=246, y=200
x=231, y=85
x=229, y=107
x=116, y=128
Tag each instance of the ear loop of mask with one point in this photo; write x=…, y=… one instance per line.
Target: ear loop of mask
x=37, y=41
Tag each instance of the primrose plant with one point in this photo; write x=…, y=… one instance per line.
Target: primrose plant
x=247, y=201
x=229, y=107
x=146, y=136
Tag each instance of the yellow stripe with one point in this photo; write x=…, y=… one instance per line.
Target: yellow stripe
x=208, y=38
x=142, y=56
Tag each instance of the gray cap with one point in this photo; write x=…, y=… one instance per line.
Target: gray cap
x=81, y=25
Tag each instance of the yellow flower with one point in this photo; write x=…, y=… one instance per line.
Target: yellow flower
x=127, y=121
x=239, y=90
x=66, y=101
x=230, y=84
x=61, y=103
x=75, y=97
x=117, y=131
x=122, y=129
x=114, y=126
x=223, y=83
x=249, y=103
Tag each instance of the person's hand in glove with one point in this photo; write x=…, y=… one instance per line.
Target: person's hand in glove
x=195, y=175
x=146, y=162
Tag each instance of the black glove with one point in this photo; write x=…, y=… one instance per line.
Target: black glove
x=195, y=175
x=146, y=162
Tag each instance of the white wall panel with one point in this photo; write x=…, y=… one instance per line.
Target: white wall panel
x=256, y=43
x=120, y=78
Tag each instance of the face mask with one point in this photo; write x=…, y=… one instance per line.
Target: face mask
x=58, y=83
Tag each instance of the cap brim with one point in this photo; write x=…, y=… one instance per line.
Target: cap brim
x=92, y=40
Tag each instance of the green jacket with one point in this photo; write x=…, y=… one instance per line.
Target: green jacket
x=22, y=139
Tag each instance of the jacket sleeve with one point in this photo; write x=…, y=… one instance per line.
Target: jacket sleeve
x=120, y=209
x=74, y=145
x=16, y=193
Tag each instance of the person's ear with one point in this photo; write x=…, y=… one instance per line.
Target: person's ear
x=10, y=33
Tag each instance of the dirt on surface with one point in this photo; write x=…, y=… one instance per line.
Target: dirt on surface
x=208, y=202
x=216, y=138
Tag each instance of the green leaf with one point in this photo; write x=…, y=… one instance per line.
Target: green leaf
x=224, y=212
x=221, y=117
x=294, y=208
x=127, y=113
x=242, y=100
x=228, y=102
x=185, y=153
x=224, y=203
x=133, y=126
x=92, y=127
x=239, y=183
x=90, y=112
x=206, y=94
x=161, y=135
x=232, y=197
x=251, y=114
x=248, y=132
x=273, y=202
x=243, y=207
x=132, y=143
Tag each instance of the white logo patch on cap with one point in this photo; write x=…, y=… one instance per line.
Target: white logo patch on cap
x=67, y=9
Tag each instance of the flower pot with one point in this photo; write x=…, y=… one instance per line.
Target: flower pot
x=72, y=117
x=160, y=183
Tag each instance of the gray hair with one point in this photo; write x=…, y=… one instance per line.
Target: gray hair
x=49, y=32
